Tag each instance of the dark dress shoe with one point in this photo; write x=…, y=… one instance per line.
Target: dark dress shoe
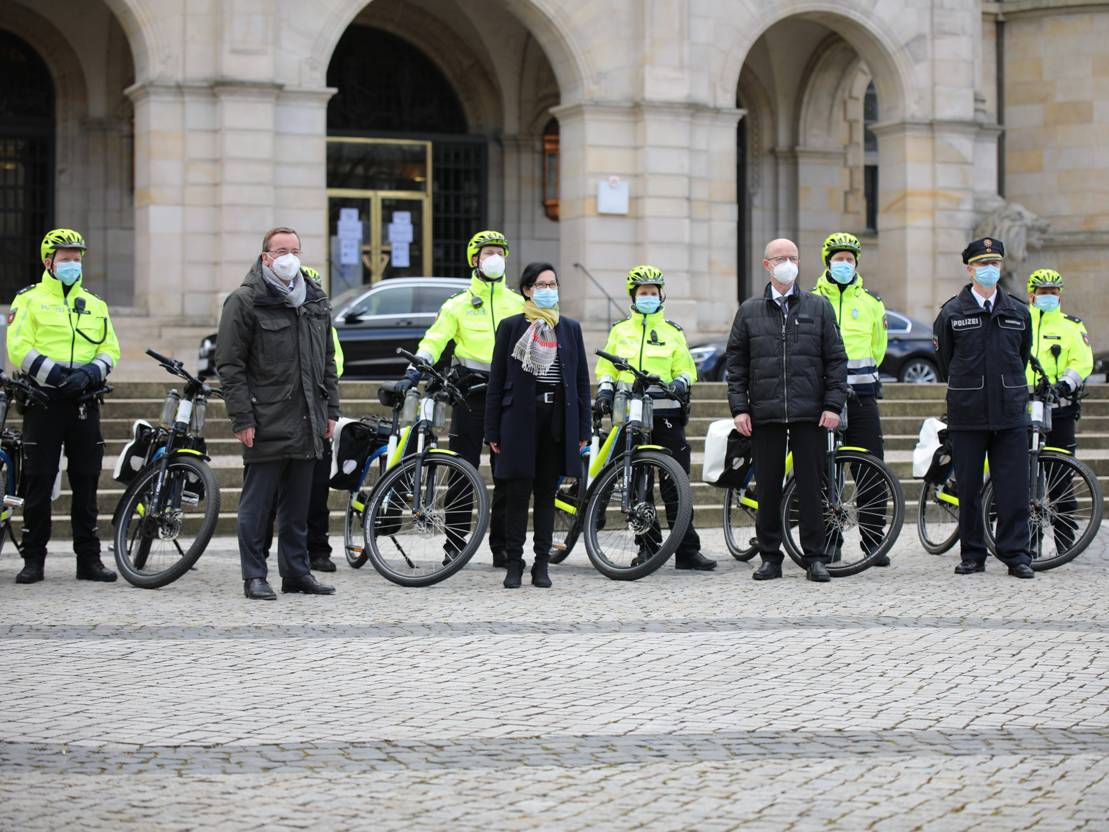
x=539, y=575
x=31, y=573
x=968, y=567
x=306, y=584
x=817, y=572
x=257, y=589
x=322, y=563
x=95, y=571
x=881, y=560
x=1022, y=570
x=695, y=561
x=514, y=575
x=499, y=560
x=768, y=571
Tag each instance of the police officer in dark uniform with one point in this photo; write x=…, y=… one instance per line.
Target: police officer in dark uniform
x=983, y=340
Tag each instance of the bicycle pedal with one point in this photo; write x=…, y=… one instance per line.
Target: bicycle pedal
x=355, y=550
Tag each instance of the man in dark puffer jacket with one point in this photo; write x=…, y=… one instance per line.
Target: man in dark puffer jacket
x=787, y=377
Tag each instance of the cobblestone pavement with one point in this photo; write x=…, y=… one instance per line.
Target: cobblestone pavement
x=902, y=698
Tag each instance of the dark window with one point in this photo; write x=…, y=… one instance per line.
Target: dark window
x=870, y=153
x=26, y=162
x=870, y=186
x=430, y=298
x=458, y=172
x=550, y=170
x=897, y=323
x=870, y=118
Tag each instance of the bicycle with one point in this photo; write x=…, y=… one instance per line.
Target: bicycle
x=1065, y=500
x=174, y=497
x=11, y=454
x=862, y=504
x=427, y=514
x=620, y=520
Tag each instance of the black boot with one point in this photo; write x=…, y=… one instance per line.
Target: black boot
x=94, y=570
x=515, y=573
x=539, y=576
x=768, y=571
x=694, y=561
x=499, y=560
x=31, y=573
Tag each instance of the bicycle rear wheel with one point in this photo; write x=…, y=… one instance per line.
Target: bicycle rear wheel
x=937, y=520
x=862, y=522
x=740, y=511
x=353, y=538
x=419, y=542
x=569, y=505
x=628, y=546
x=154, y=546
x=1064, y=520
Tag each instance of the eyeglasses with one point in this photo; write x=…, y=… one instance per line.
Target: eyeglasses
x=281, y=252
x=777, y=260
x=544, y=286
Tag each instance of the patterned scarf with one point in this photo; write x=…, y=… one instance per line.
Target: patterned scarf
x=537, y=347
x=293, y=292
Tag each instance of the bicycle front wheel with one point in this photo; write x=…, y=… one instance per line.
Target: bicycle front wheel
x=937, y=519
x=158, y=540
x=1063, y=520
x=425, y=519
x=862, y=517
x=740, y=511
x=628, y=545
x=569, y=504
x=353, y=538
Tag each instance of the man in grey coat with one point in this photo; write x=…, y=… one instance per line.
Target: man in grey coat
x=276, y=360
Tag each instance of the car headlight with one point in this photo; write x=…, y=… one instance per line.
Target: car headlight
x=701, y=355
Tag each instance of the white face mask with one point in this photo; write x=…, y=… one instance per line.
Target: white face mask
x=286, y=266
x=785, y=272
x=493, y=267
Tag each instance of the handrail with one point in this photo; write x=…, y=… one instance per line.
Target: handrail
x=611, y=301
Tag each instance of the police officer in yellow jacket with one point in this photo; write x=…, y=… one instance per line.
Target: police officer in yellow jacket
x=861, y=317
x=657, y=346
x=61, y=337
x=470, y=319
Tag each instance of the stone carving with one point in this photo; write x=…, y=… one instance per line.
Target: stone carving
x=1019, y=229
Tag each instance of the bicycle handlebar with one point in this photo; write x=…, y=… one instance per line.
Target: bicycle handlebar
x=24, y=387
x=176, y=367
x=427, y=368
x=623, y=365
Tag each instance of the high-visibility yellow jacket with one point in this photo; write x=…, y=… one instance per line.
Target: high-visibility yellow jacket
x=47, y=327
x=338, y=353
x=861, y=316
x=651, y=344
x=1074, y=359
x=470, y=319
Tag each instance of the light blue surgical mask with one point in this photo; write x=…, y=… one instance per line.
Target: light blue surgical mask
x=1047, y=303
x=68, y=272
x=842, y=272
x=648, y=304
x=987, y=276
x=545, y=298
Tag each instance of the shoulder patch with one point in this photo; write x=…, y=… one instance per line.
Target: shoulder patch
x=26, y=289
x=673, y=324
x=953, y=297
x=1072, y=318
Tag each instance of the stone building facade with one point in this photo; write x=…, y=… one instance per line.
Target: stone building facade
x=175, y=132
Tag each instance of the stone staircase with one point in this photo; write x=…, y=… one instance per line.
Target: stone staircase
x=903, y=409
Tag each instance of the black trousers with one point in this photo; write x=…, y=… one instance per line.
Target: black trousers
x=319, y=515
x=809, y=443
x=1062, y=435
x=44, y=432
x=289, y=482
x=549, y=462
x=669, y=432
x=1008, y=454
x=864, y=430
x=467, y=439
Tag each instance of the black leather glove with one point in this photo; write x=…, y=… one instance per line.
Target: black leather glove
x=603, y=403
x=56, y=376
x=77, y=382
x=679, y=387
x=410, y=379
x=1063, y=390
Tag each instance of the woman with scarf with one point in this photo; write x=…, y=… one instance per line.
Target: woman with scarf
x=536, y=415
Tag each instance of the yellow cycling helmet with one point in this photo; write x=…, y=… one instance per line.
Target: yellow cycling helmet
x=61, y=238
x=644, y=276
x=1044, y=278
x=840, y=241
x=483, y=239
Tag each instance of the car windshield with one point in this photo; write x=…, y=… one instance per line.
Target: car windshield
x=344, y=298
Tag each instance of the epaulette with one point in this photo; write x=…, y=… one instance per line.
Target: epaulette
x=92, y=294
x=1073, y=318
x=874, y=295
x=673, y=325
x=953, y=297
x=456, y=294
x=26, y=288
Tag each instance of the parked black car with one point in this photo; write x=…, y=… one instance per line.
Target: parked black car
x=372, y=321
x=909, y=354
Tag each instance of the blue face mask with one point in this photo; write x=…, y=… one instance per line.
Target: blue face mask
x=545, y=298
x=68, y=272
x=648, y=304
x=842, y=272
x=987, y=276
x=1047, y=303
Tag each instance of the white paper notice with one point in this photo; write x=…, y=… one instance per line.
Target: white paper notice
x=349, y=251
x=400, y=259
x=400, y=233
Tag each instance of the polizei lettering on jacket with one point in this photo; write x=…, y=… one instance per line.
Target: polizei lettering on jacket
x=966, y=323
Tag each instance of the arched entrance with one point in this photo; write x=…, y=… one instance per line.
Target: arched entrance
x=26, y=159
